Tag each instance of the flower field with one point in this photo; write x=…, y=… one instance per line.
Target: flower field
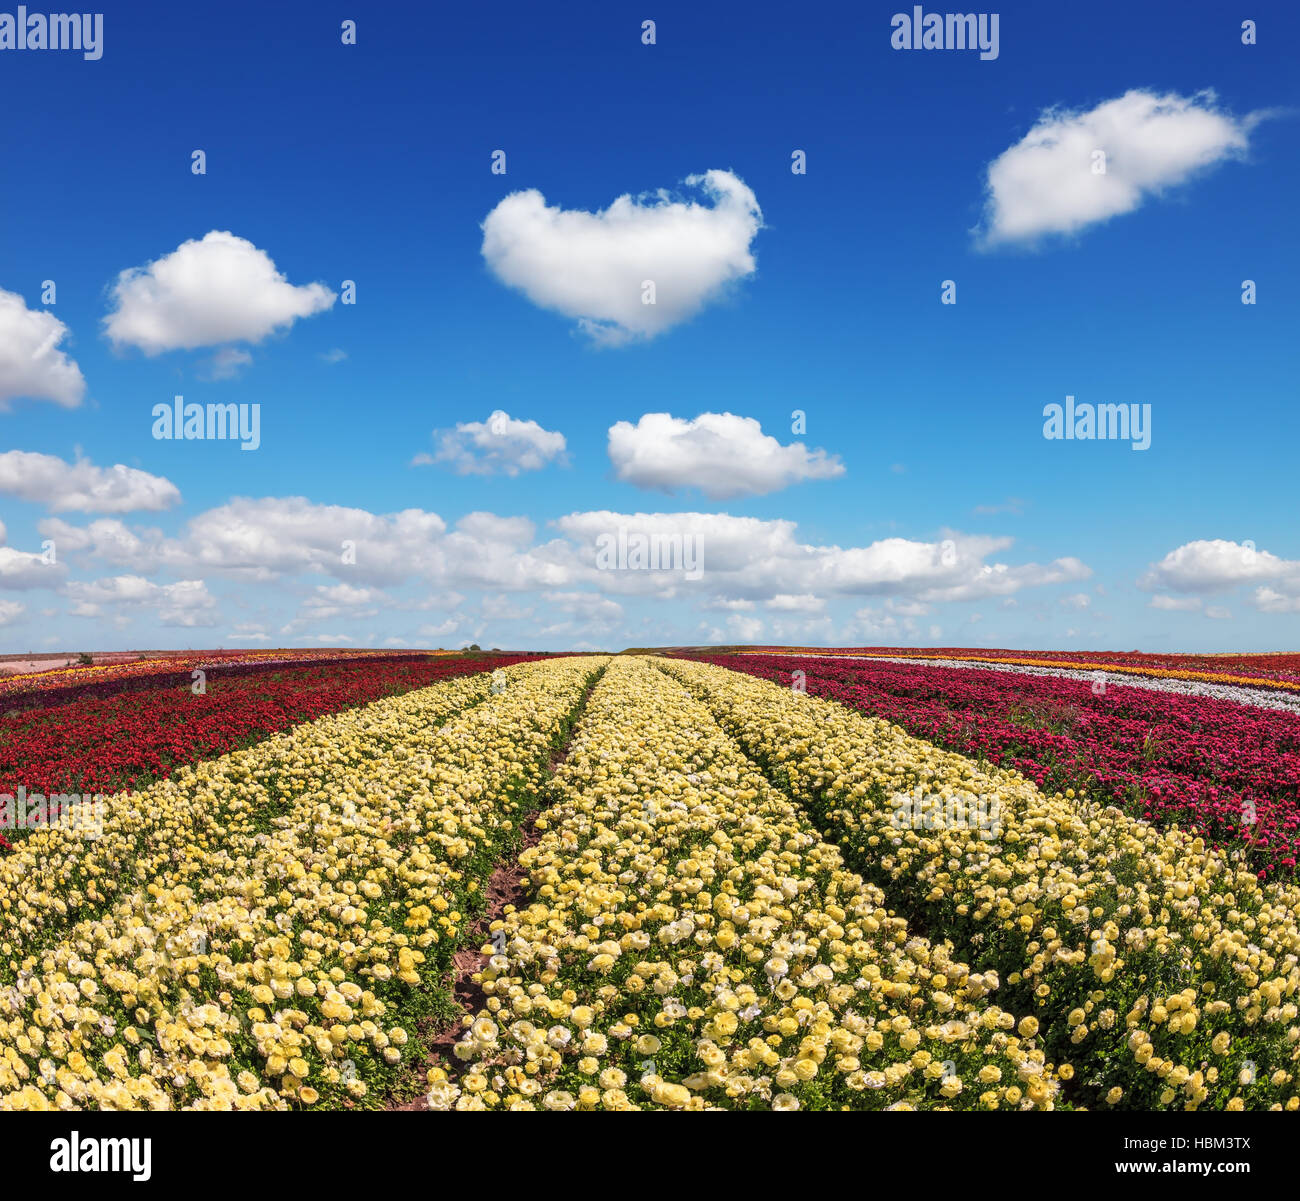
x=1159, y=972
x=101, y=744
x=584, y=883
x=1281, y=671
x=57, y=685
x=1230, y=771
x=688, y=940
x=264, y=929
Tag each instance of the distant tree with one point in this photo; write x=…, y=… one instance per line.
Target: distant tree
x=85, y=659
x=474, y=646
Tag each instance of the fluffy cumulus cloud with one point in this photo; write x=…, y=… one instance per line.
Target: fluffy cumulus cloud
x=275, y=537
x=209, y=291
x=113, y=542
x=587, y=605
x=581, y=613
x=740, y=558
x=1215, y=565
x=81, y=486
x=1270, y=600
x=20, y=569
x=745, y=629
x=566, y=584
x=785, y=602
x=186, y=603
x=872, y=625
x=342, y=600
x=500, y=445
x=10, y=611
x=1046, y=183
x=722, y=454
x=31, y=364
x=594, y=267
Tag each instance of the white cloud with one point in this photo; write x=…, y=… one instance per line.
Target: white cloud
x=346, y=596
x=937, y=573
x=587, y=607
x=748, y=558
x=1176, y=604
x=292, y=535
x=869, y=623
x=10, y=611
x=227, y=363
x=722, y=454
x=488, y=527
x=746, y=629
x=114, y=542
x=593, y=266
x=27, y=569
x=744, y=563
x=334, y=356
x=1215, y=565
x=208, y=291
x=1269, y=600
x=329, y=601
x=1218, y=612
x=803, y=631
x=500, y=607
x=785, y=602
x=31, y=363
x=1045, y=184
x=501, y=444
x=271, y=537
x=185, y=603
x=1076, y=600
x=63, y=486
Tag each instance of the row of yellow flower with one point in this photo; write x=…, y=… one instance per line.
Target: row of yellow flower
x=262, y=929
x=690, y=942
x=59, y=876
x=1166, y=971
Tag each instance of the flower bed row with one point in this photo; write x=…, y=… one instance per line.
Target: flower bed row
x=1277, y=671
x=688, y=941
x=1231, y=771
x=131, y=739
x=1262, y=698
x=55, y=685
x=1164, y=974
x=264, y=929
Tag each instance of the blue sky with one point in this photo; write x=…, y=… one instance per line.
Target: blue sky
x=920, y=504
